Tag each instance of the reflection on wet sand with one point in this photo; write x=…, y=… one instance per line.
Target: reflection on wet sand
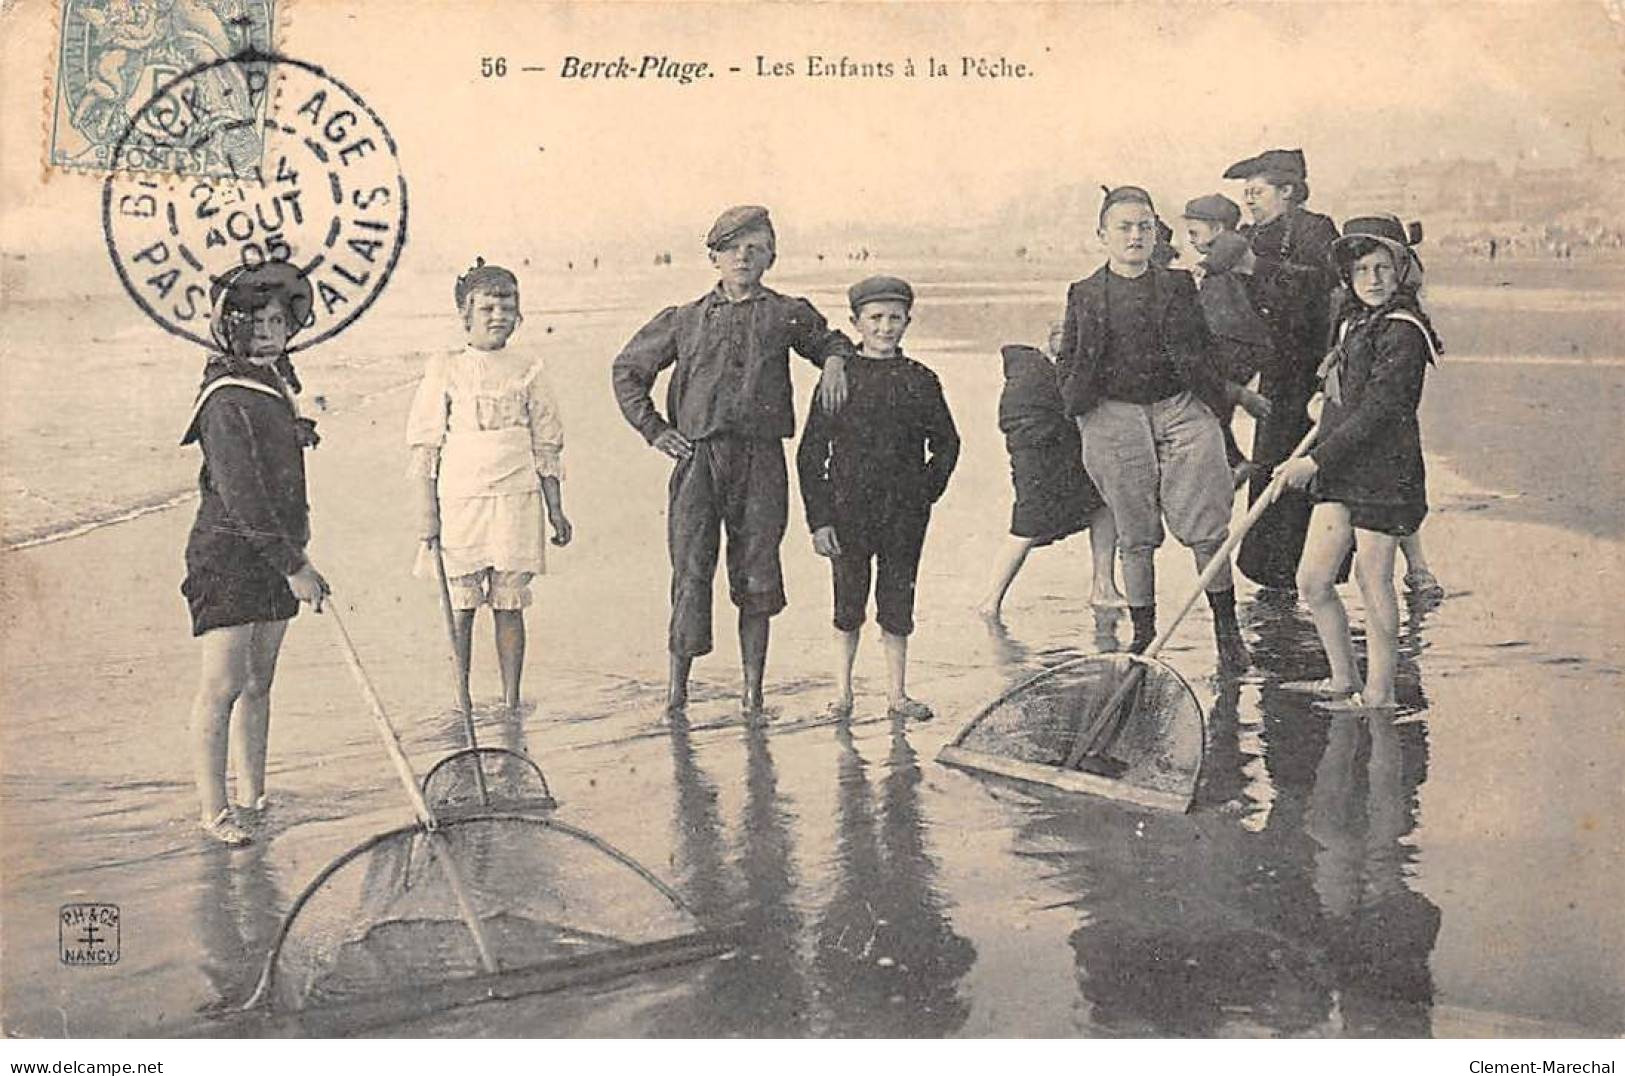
x=238, y=910
x=1293, y=918
x=1379, y=932
x=763, y=990
x=887, y=956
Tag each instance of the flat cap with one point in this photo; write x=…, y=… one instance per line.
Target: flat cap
x=1214, y=207
x=1287, y=162
x=878, y=288
x=738, y=219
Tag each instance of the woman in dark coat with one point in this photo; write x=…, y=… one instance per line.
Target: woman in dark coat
x=1290, y=284
x=1054, y=497
x=246, y=569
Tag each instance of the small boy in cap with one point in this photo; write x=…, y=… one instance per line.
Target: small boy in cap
x=728, y=408
x=869, y=476
x=1208, y=217
x=1242, y=343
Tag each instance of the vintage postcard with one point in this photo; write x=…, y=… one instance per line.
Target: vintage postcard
x=812, y=520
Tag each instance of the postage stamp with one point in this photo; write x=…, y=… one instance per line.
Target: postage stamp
x=115, y=54
x=303, y=172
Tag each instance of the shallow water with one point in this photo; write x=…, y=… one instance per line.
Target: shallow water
x=1450, y=872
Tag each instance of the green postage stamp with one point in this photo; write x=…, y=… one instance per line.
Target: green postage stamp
x=116, y=55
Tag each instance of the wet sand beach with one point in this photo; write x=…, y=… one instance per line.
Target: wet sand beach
x=1451, y=872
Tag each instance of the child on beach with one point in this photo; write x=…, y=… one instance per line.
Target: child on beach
x=1242, y=343
x=1366, y=471
x=486, y=442
x=246, y=569
x=869, y=476
x=728, y=410
x=1054, y=497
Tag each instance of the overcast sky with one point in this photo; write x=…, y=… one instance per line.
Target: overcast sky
x=1163, y=95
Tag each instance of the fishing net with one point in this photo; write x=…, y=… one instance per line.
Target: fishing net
x=388, y=916
x=1031, y=730
x=486, y=778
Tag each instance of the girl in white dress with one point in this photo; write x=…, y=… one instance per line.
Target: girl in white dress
x=486, y=445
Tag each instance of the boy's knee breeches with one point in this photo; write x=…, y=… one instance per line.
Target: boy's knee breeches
x=1160, y=461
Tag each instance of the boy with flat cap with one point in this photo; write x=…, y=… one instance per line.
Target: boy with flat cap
x=869, y=476
x=728, y=410
x=1135, y=374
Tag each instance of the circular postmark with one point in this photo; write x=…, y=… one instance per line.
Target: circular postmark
x=249, y=159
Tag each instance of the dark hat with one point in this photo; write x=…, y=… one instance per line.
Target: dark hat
x=877, y=288
x=482, y=277
x=1386, y=229
x=733, y=221
x=1118, y=195
x=235, y=294
x=1214, y=207
x=1227, y=250
x=1287, y=162
x=248, y=288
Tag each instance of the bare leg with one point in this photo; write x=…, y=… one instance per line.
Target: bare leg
x=753, y=634
x=1327, y=543
x=251, y=716
x=510, y=635
x=225, y=670
x=1011, y=556
x=463, y=628
x=1103, y=551
x=1374, y=572
x=846, y=653
x=1415, y=559
x=896, y=648
x=677, y=685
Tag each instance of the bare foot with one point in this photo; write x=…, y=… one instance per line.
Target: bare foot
x=988, y=610
x=1110, y=599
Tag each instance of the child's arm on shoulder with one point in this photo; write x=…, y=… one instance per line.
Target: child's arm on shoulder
x=829, y=349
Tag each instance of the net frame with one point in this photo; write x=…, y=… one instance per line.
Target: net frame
x=555, y=974
x=489, y=799
x=1173, y=795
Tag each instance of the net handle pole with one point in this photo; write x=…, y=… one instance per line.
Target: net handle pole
x=1220, y=559
x=403, y=769
x=465, y=704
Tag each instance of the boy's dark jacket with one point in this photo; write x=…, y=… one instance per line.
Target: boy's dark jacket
x=1180, y=327
x=891, y=447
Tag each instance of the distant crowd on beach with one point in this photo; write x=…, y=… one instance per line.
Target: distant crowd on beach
x=1119, y=423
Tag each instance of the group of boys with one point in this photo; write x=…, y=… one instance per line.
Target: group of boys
x=1150, y=367
x=870, y=466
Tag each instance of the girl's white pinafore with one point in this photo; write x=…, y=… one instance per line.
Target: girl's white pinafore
x=486, y=424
